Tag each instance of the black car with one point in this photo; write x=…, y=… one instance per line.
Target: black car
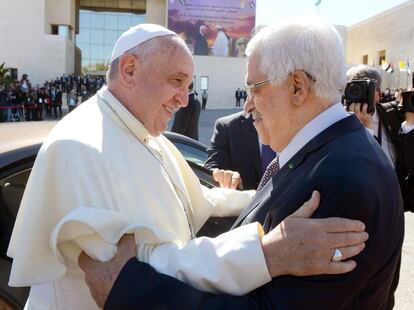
x=19, y=145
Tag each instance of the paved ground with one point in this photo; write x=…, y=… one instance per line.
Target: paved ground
x=405, y=291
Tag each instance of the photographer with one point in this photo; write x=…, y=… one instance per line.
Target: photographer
x=393, y=128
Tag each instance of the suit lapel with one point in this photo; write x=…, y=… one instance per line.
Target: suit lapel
x=344, y=126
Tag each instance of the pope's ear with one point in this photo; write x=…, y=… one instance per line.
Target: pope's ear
x=127, y=66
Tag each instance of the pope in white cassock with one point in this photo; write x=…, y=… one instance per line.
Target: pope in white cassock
x=221, y=44
x=105, y=170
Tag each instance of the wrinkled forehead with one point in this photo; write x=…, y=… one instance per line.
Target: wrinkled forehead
x=172, y=62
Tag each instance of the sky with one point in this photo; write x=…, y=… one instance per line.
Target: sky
x=338, y=12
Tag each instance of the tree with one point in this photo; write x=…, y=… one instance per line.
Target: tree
x=5, y=78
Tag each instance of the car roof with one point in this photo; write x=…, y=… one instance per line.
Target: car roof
x=23, y=134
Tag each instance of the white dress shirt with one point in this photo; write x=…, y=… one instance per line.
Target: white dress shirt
x=100, y=175
x=321, y=122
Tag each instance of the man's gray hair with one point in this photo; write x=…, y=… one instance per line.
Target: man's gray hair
x=146, y=50
x=311, y=46
x=364, y=72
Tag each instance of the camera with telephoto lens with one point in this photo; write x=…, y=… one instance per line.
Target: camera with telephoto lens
x=362, y=91
x=407, y=101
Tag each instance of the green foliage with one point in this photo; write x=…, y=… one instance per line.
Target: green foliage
x=95, y=67
x=5, y=78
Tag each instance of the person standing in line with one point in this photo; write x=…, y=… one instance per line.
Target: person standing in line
x=239, y=96
x=72, y=100
x=204, y=97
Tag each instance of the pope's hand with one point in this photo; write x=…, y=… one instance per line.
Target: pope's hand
x=100, y=277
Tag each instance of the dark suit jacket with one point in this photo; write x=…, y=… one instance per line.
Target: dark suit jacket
x=235, y=146
x=200, y=45
x=391, y=118
x=356, y=180
x=186, y=119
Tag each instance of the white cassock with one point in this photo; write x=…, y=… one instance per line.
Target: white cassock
x=221, y=45
x=100, y=175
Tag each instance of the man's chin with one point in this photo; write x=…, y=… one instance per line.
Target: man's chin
x=261, y=131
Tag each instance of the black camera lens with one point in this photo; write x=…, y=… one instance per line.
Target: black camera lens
x=355, y=91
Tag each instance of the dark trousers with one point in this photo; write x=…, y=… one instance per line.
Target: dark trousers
x=57, y=110
x=203, y=104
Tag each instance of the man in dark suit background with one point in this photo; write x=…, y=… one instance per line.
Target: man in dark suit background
x=235, y=147
x=238, y=95
x=295, y=102
x=201, y=45
x=186, y=118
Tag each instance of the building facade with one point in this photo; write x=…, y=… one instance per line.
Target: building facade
x=389, y=37
x=48, y=38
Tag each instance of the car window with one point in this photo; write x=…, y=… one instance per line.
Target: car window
x=191, y=153
x=11, y=190
x=11, y=193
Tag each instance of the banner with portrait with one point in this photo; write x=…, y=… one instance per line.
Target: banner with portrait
x=215, y=27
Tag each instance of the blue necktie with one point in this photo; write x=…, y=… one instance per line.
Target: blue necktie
x=267, y=156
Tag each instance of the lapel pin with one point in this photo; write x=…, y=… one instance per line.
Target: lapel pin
x=291, y=165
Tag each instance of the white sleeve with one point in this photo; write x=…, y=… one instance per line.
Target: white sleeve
x=231, y=263
x=405, y=128
x=371, y=131
x=227, y=202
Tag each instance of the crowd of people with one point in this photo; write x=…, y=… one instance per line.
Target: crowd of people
x=22, y=101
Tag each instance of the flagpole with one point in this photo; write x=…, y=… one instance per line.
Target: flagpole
x=399, y=75
x=406, y=66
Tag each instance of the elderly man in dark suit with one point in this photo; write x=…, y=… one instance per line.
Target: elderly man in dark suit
x=295, y=74
x=235, y=150
x=201, y=44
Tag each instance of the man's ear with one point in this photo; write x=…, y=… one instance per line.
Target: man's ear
x=301, y=84
x=127, y=69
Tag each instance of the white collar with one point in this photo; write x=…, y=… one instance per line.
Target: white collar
x=322, y=121
x=129, y=120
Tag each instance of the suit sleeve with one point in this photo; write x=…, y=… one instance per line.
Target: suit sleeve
x=407, y=140
x=407, y=175
x=219, y=153
x=139, y=286
x=285, y=292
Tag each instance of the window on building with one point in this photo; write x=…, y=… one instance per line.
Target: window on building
x=381, y=56
x=204, y=83
x=62, y=31
x=98, y=32
x=365, y=59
